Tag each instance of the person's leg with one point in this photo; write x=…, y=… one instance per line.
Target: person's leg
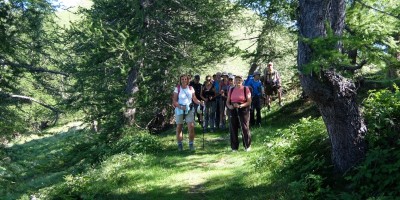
x=222, y=114
x=269, y=102
x=228, y=112
x=268, y=93
x=201, y=115
x=257, y=108
x=207, y=116
x=191, y=131
x=190, y=124
x=216, y=116
x=212, y=115
x=252, y=109
x=280, y=96
x=244, y=119
x=179, y=134
x=235, y=130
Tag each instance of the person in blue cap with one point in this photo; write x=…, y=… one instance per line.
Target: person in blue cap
x=257, y=93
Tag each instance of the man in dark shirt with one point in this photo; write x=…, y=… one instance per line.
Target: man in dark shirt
x=197, y=88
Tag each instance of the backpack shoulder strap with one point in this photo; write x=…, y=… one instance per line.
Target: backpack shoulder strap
x=230, y=94
x=245, y=95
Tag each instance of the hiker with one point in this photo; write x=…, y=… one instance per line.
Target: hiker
x=224, y=86
x=228, y=111
x=239, y=102
x=217, y=85
x=257, y=95
x=197, y=86
x=208, y=94
x=272, y=84
x=182, y=101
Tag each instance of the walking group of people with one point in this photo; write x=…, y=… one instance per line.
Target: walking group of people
x=224, y=101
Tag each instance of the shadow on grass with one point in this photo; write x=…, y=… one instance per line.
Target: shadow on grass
x=289, y=113
x=44, y=162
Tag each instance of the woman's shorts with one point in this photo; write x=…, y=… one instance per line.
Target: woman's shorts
x=189, y=117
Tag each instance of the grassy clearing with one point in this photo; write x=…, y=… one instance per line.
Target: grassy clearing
x=69, y=164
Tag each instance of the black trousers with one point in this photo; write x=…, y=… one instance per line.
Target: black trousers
x=240, y=118
x=255, y=107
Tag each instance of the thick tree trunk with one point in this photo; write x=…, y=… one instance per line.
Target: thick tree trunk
x=334, y=95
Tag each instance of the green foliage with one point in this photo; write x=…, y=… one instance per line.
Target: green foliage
x=382, y=112
x=299, y=155
x=96, y=183
x=28, y=41
x=377, y=176
x=372, y=29
x=136, y=142
x=161, y=40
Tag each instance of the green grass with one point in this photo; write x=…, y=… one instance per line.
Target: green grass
x=67, y=163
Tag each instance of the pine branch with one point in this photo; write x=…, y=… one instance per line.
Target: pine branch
x=353, y=68
x=30, y=68
x=377, y=10
x=4, y=95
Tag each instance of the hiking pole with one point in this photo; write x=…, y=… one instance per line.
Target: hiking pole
x=241, y=130
x=203, y=139
x=202, y=112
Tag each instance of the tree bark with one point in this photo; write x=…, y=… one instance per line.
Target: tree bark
x=334, y=95
x=253, y=68
x=132, y=86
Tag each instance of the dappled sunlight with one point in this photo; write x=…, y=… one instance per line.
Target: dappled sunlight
x=68, y=128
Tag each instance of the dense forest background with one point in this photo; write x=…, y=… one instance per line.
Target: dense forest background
x=110, y=66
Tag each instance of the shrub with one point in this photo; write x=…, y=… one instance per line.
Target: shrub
x=378, y=176
x=301, y=155
x=382, y=113
x=136, y=141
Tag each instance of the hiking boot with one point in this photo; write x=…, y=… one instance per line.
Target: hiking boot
x=191, y=147
x=180, y=147
x=269, y=108
x=234, y=150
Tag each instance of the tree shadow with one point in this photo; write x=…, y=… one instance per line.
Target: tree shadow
x=290, y=113
x=44, y=162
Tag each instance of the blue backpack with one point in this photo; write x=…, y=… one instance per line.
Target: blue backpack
x=247, y=81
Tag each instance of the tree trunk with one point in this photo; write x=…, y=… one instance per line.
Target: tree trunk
x=253, y=68
x=131, y=88
x=392, y=67
x=334, y=95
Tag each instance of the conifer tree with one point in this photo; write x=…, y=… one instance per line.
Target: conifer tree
x=128, y=55
x=28, y=72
